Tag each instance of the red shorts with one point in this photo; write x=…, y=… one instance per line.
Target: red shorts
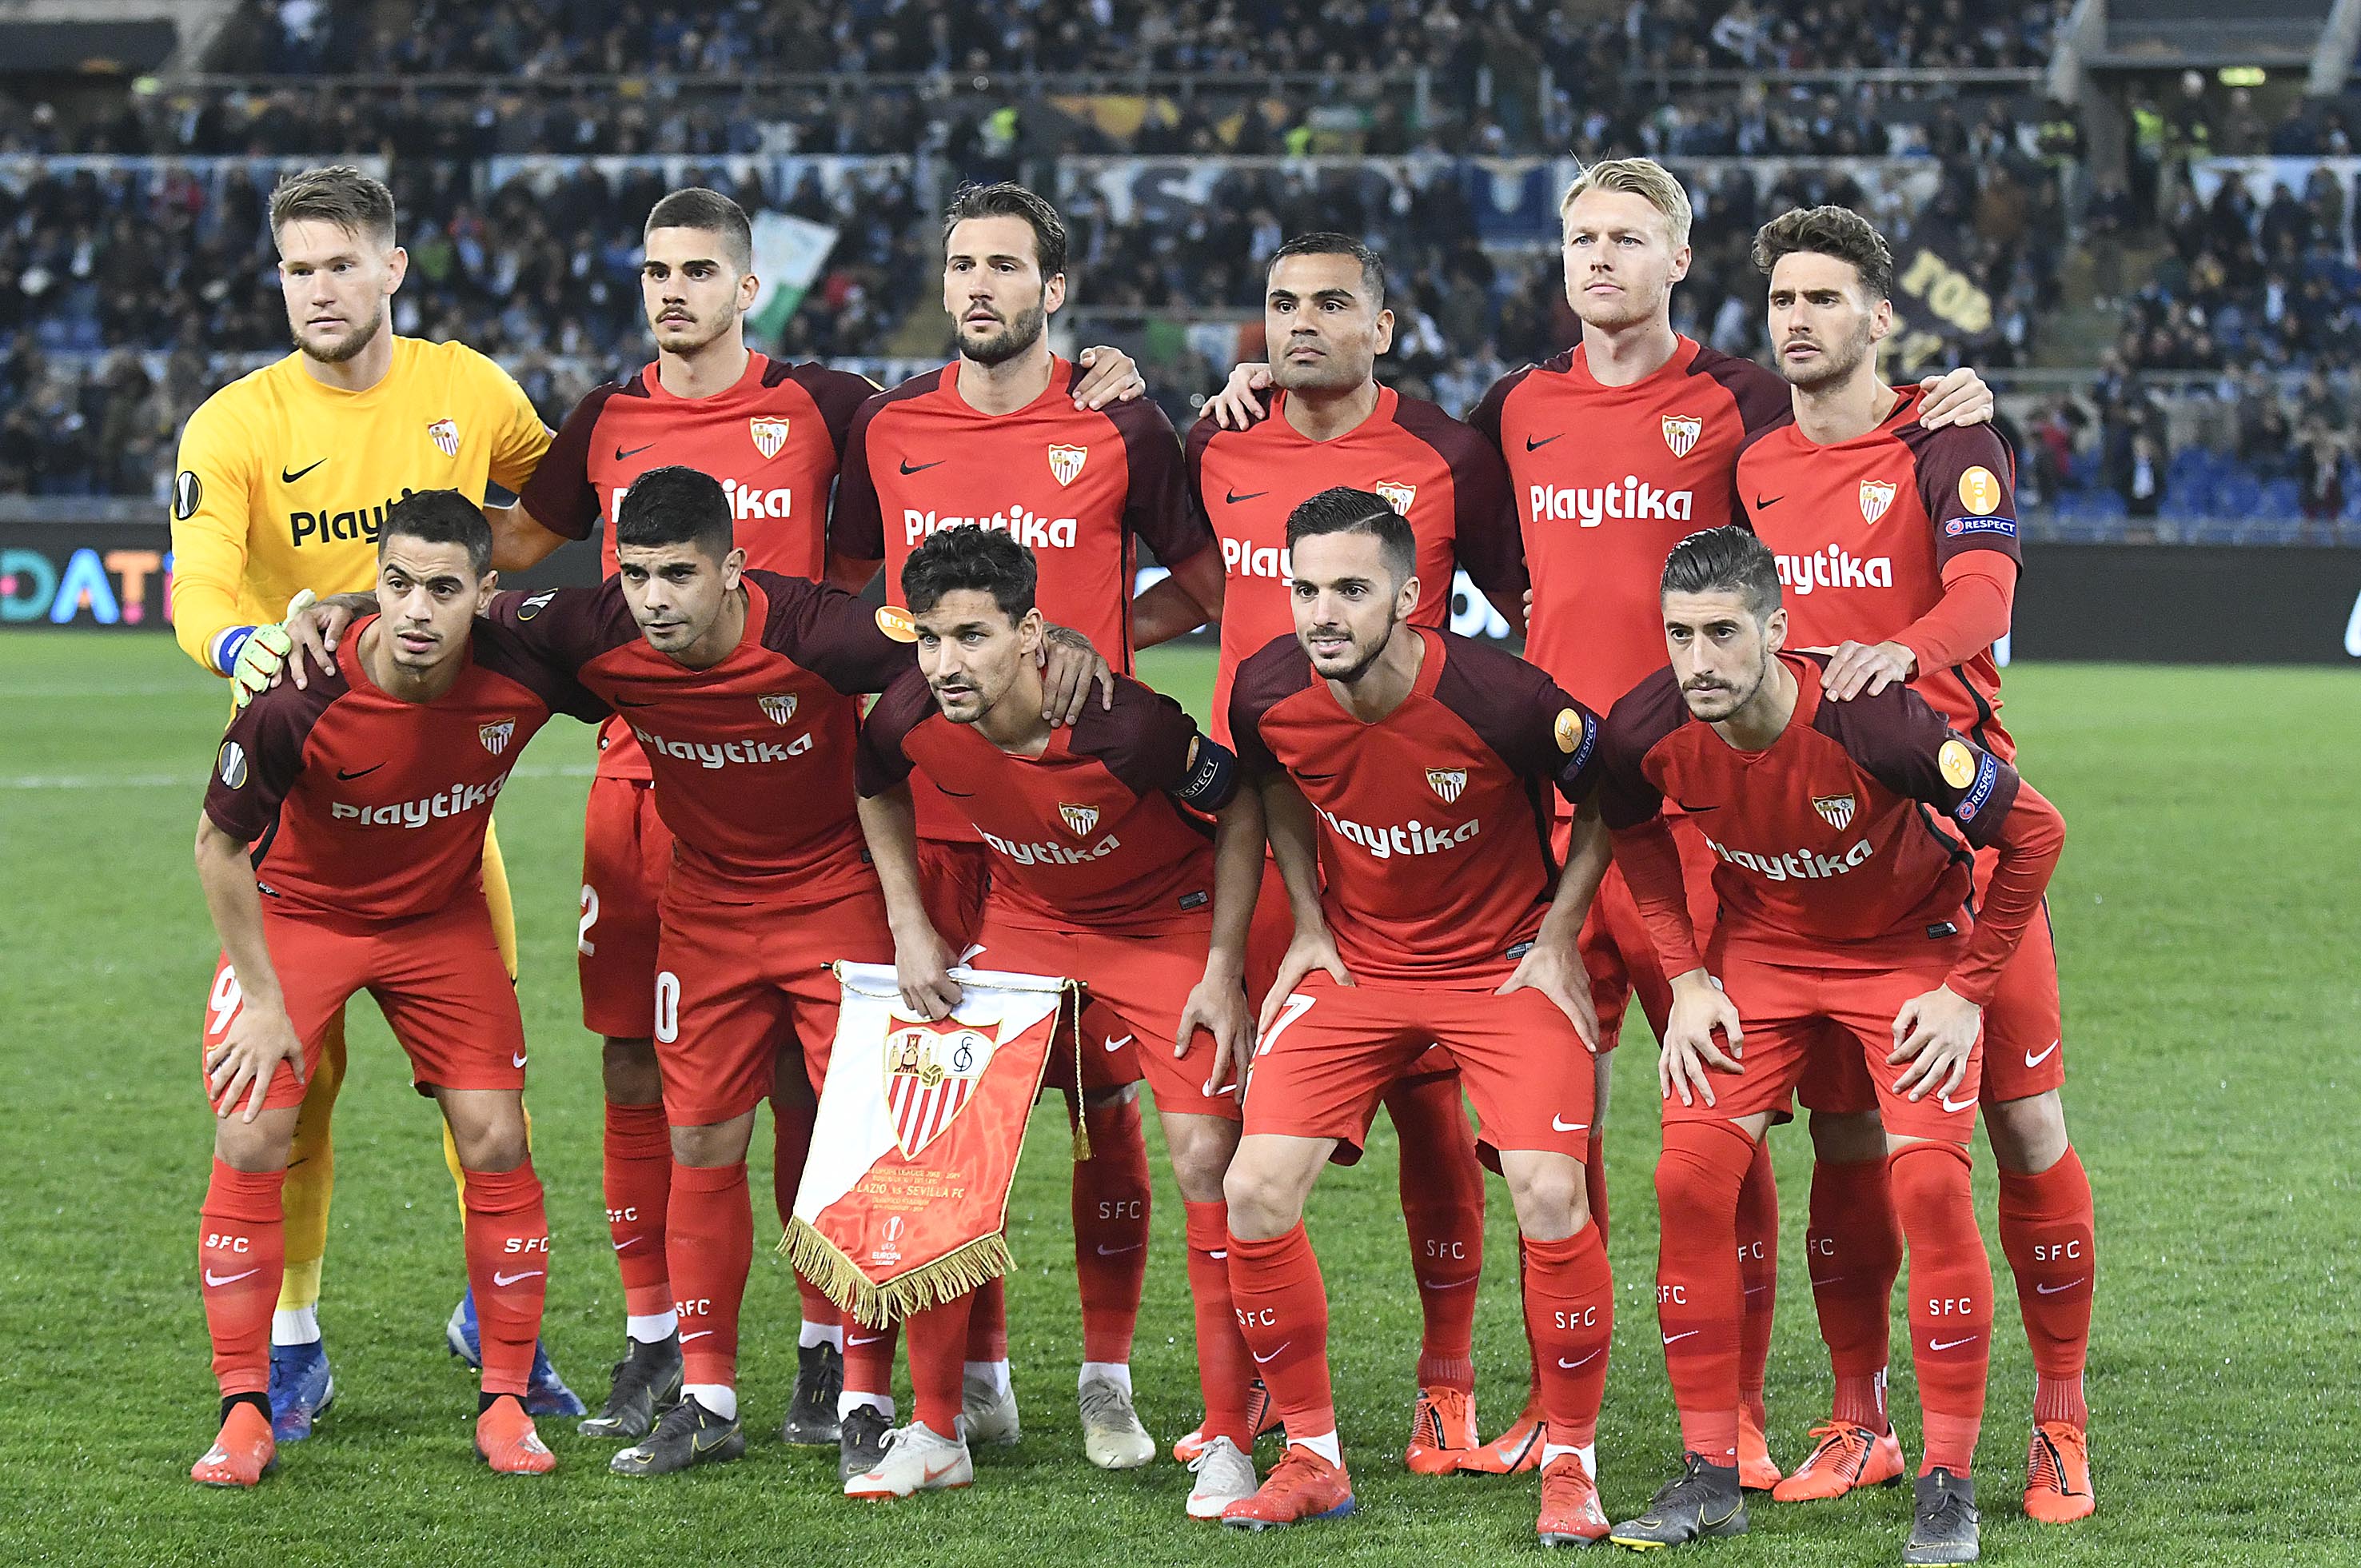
x=438, y=979
x=1334, y=1050
x=1267, y=936
x=953, y=877
x=626, y=855
x=2024, y=1052
x=1615, y=946
x=736, y=984
x=1137, y=986
x=1801, y=1020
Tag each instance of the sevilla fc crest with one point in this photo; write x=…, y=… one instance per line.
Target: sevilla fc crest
x=930, y=1074
x=780, y=709
x=1066, y=462
x=1876, y=495
x=1681, y=433
x=770, y=436
x=446, y=433
x=495, y=736
x=1836, y=810
x=1398, y=496
x=1079, y=819
x=1447, y=781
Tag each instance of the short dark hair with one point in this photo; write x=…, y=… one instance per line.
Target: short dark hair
x=987, y=560
x=676, y=505
x=695, y=207
x=1725, y=560
x=339, y=194
x=1344, y=509
x=1373, y=266
x=1010, y=200
x=1829, y=231
x=440, y=517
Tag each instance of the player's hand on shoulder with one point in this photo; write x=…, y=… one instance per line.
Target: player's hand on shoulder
x=1069, y=667
x=1935, y=1033
x=1240, y=402
x=1109, y=376
x=922, y=963
x=243, y=1064
x=263, y=654
x=1699, y=1008
x=1306, y=951
x=1218, y=1006
x=1956, y=396
x=1558, y=974
x=1857, y=667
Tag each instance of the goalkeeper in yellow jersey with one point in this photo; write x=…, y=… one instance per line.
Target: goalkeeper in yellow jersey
x=284, y=477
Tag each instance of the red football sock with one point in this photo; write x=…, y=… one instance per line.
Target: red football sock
x=1282, y=1311
x=508, y=1268
x=938, y=1347
x=1443, y=1204
x=1110, y=1207
x=241, y=1255
x=1950, y=1297
x=1225, y=1367
x=1570, y=1318
x=710, y=1238
x=1853, y=1248
x=987, y=1321
x=1758, y=1276
x=1698, y=1302
x=637, y=1178
x=2045, y=1228
x=869, y=1359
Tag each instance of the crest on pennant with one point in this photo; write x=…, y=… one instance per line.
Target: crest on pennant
x=780, y=709
x=1079, y=819
x=1836, y=810
x=1681, y=433
x=930, y=1074
x=1876, y=495
x=495, y=735
x=1448, y=783
x=446, y=433
x=1066, y=462
x=1398, y=496
x=770, y=434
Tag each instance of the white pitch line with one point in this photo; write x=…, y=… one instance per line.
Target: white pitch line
x=194, y=782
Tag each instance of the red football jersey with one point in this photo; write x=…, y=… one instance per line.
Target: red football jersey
x=774, y=441
x=1825, y=857
x=1605, y=480
x=365, y=807
x=1087, y=835
x=752, y=758
x=1864, y=528
x=1435, y=821
x=1079, y=488
x=1444, y=478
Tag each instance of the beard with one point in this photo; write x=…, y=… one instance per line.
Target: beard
x=1837, y=361
x=352, y=344
x=1375, y=650
x=688, y=338
x=1011, y=340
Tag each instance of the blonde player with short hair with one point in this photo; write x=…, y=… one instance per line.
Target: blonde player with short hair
x=284, y=477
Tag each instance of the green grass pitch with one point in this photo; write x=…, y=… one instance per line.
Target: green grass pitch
x=2208, y=924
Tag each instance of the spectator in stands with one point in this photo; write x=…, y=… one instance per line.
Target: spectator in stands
x=2319, y=471
x=2141, y=479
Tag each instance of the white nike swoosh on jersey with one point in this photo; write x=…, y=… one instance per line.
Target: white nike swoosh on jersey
x=1683, y=1334
x=2053, y=1290
x=218, y=1280
x=1570, y=1365
x=1273, y=1356
x=1118, y=1045
x=1945, y=1100
x=506, y=1279
x=517, y=1060
x=1107, y=1251
x=2032, y=1060
x=1563, y=1126
x=698, y=1334
x=1950, y=1343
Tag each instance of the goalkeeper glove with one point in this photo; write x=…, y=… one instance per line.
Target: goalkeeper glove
x=257, y=657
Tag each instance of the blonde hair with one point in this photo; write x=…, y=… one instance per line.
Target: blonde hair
x=339, y=194
x=1643, y=177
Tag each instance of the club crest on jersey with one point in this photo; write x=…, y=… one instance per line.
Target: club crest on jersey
x=1446, y=782
x=930, y=1073
x=1681, y=433
x=233, y=764
x=1836, y=810
x=1398, y=496
x=446, y=433
x=1876, y=495
x=780, y=709
x=495, y=735
x=1079, y=819
x=1066, y=462
x=770, y=435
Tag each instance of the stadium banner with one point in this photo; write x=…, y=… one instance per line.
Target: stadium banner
x=905, y=1195
x=789, y=254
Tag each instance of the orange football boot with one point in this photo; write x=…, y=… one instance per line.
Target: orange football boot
x=1757, y=1471
x=244, y=1453
x=1442, y=1430
x=1512, y=1453
x=2058, y=1474
x=1300, y=1487
x=505, y=1437
x=1570, y=1511
x=1847, y=1456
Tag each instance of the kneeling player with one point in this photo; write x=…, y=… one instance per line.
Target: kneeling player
x=1097, y=873
x=368, y=792
x=1425, y=758
x=1844, y=926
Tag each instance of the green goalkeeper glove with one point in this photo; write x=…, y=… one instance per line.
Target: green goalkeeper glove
x=263, y=652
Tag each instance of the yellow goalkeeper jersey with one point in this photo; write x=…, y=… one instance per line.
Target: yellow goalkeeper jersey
x=282, y=481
